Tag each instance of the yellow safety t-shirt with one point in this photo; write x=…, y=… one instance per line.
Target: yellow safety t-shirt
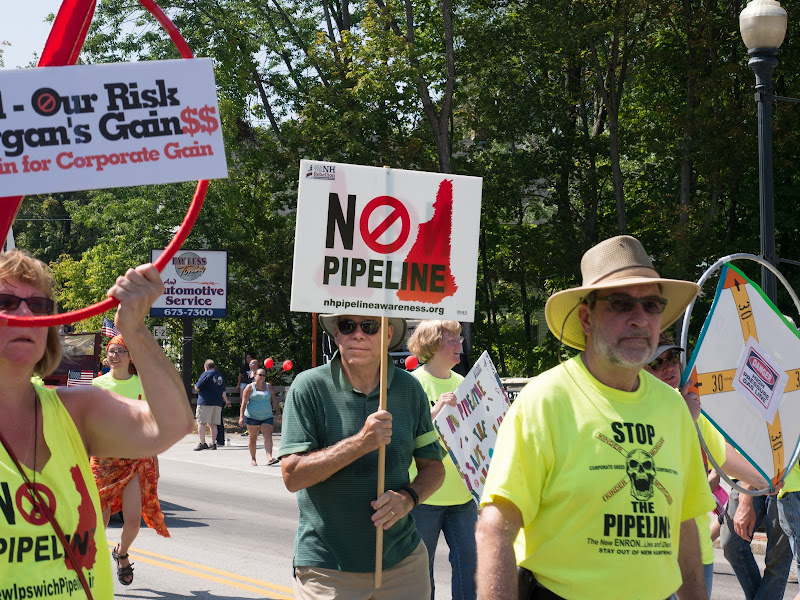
x=453, y=491
x=129, y=388
x=603, y=479
x=716, y=445
x=791, y=483
x=32, y=561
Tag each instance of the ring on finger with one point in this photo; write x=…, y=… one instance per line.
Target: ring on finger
x=391, y=512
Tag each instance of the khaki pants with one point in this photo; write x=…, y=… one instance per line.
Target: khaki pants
x=406, y=580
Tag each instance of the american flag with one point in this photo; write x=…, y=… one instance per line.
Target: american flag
x=80, y=378
x=108, y=328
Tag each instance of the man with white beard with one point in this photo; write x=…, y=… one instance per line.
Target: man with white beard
x=596, y=475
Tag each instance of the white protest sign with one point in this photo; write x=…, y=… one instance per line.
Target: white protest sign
x=195, y=285
x=100, y=126
x=386, y=242
x=469, y=429
x=746, y=366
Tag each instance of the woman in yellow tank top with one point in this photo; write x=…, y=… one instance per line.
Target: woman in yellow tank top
x=49, y=507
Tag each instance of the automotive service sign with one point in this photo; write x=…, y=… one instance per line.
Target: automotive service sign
x=195, y=285
x=100, y=126
x=386, y=242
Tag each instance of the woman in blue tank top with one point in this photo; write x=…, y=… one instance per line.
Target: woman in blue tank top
x=258, y=407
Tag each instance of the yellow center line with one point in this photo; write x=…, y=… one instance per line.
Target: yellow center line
x=201, y=571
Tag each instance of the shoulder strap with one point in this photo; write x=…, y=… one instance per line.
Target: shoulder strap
x=38, y=500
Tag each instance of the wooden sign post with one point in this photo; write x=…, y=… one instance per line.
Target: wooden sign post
x=382, y=450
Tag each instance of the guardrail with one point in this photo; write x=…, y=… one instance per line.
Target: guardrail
x=513, y=386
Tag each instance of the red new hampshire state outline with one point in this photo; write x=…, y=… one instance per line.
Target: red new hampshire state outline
x=432, y=247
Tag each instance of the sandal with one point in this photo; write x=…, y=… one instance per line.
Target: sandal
x=124, y=574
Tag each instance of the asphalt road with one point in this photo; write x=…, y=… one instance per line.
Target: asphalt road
x=232, y=528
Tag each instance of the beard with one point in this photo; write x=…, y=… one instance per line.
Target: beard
x=624, y=353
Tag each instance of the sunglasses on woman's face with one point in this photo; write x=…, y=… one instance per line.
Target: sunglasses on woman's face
x=37, y=304
x=673, y=358
x=348, y=327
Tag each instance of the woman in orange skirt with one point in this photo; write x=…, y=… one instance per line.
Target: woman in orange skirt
x=126, y=485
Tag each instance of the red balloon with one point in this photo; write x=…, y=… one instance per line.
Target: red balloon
x=287, y=365
x=411, y=362
x=268, y=363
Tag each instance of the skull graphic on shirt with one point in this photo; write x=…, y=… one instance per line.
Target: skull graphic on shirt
x=641, y=469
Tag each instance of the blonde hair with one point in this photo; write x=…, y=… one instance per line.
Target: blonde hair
x=19, y=266
x=427, y=337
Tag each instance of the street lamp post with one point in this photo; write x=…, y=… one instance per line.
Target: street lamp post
x=763, y=26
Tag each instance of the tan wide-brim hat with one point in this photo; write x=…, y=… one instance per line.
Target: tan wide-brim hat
x=400, y=327
x=616, y=262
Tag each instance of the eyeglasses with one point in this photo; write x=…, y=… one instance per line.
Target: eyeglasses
x=453, y=341
x=37, y=304
x=660, y=363
x=261, y=375
x=348, y=327
x=623, y=303
x=120, y=352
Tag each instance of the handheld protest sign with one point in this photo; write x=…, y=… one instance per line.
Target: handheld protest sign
x=62, y=48
x=385, y=243
x=746, y=369
x=469, y=429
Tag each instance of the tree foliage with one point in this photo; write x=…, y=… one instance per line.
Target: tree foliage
x=585, y=119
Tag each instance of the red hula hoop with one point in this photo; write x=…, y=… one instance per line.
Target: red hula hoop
x=62, y=48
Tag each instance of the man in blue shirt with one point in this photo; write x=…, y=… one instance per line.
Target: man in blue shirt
x=210, y=388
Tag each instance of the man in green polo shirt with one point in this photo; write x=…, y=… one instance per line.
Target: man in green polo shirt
x=329, y=446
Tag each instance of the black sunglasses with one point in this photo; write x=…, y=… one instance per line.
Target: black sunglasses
x=673, y=359
x=652, y=305
x=348, y=327
x=37, y=304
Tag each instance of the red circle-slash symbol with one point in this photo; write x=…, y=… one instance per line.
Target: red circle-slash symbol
x=46, y=102
x=399, y=212
x=37, y=517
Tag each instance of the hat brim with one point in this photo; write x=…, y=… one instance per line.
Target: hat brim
x=399, y=327
x=561, y=310
x=661, y=349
